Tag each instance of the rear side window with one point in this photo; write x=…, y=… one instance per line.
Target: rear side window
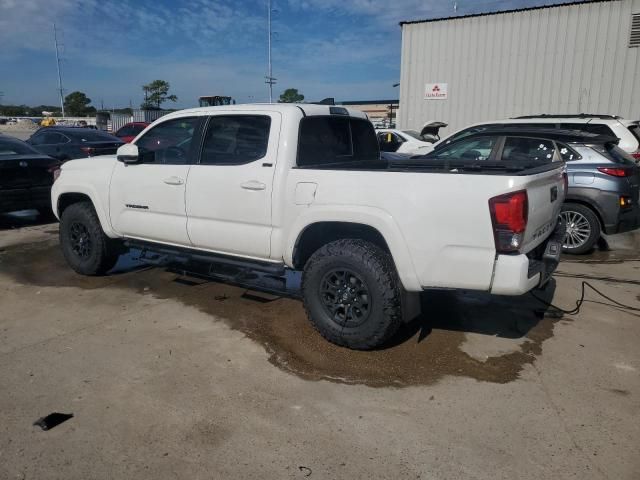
x=635, y=130
x=518, y=149
x=567, y=153
x=235, y=139
x=336, y=140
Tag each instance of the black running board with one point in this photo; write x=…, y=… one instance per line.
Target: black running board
x=265, y=277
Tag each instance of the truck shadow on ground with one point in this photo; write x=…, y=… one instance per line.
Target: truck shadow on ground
x=430, y=348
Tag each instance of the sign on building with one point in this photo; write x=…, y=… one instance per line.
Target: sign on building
x=435, y=91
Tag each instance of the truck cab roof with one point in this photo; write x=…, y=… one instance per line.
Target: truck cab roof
x=307, y=109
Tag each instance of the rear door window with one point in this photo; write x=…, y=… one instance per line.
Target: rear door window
x=336, y=140
x=235, y=139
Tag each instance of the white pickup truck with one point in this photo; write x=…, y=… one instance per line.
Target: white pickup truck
x=284, y=186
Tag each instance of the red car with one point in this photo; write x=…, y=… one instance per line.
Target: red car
x=130, y=131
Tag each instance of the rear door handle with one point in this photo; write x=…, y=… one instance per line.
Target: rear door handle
x=173, y=181
x=253, y=185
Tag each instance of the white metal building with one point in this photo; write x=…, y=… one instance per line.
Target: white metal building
x=581, y=57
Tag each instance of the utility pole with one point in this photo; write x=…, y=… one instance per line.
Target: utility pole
x=269, y=78
x=55, y=39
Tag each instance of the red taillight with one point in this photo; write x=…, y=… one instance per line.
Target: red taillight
x=616, y=172
x=509, y=217
x=636, y=155
x=88, y=150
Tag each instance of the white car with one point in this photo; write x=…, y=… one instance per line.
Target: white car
x=272, y=187
x=409, y=141
x=628, y=131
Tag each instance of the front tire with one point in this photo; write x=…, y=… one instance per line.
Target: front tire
x=85, y=247
x=583, y=228
x=352, y=294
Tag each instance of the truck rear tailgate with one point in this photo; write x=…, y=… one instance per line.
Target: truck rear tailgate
x=545, y=193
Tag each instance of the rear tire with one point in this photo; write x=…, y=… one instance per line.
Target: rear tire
x=85, y=247
x=583, y=228
x=352, y=294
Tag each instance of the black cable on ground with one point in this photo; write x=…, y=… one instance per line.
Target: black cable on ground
x=581, y=300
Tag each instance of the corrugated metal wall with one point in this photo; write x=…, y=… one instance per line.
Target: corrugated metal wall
x=567, y=59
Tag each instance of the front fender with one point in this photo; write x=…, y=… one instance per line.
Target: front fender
x=372, y=217
x=98, y=198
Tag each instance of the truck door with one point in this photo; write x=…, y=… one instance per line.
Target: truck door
x=228, y=197
x=147, y=198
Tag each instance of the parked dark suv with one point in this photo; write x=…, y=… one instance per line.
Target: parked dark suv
x=603, y=179
x=67, y=143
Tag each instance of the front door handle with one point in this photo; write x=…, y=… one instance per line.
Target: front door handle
x=173, y=181
x=253, y=185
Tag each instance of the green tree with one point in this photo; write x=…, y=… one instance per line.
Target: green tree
x=291, y=95
x=156, y=93
x=76, y=104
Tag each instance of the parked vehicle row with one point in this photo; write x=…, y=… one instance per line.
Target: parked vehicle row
x=602, y=171
x=68, y=143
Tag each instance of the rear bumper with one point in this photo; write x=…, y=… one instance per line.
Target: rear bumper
x=518, y=274
x=628, y=220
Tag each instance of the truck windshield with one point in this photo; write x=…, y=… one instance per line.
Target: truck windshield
x=336, y=141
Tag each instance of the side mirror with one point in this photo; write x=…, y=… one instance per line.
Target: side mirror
x=128, y=153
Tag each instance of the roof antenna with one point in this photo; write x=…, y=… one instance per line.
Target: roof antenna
x=455, y=7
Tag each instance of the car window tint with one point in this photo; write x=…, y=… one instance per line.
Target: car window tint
x=597, y=128
x=37, y=139
x=567, y=153
x=517, y=149
x=476, y=148
x=635, y=130
x=168, y=142
x=235, y=139
x=87, y=135
x=465, y=133
x=53, y=138
x=125, y=131
x=336, y=140
x=618, y=155
x=14, y=147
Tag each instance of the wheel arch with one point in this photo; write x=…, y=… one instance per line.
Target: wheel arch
x=314, y=231
x=66, y=198
x=590, y=205
x=317, y=234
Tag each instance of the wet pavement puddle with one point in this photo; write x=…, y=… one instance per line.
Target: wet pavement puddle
x=425, y=350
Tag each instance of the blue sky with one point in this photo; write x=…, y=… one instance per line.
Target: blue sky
x=346, y=49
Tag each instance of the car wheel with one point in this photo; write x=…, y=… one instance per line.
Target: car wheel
x=352, y=294
x=583, y=228
x=85, y=247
